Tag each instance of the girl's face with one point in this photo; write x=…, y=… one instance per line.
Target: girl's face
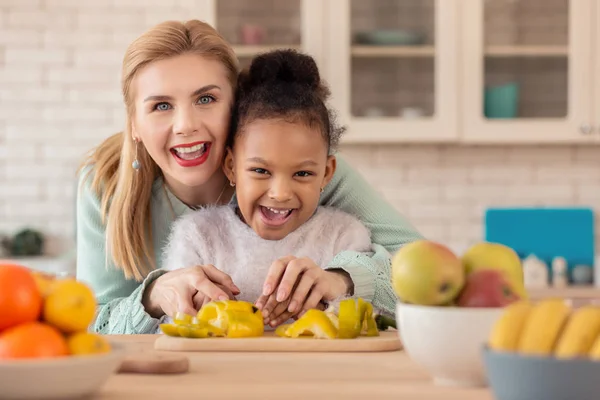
x=279, y=169
x=182, y=111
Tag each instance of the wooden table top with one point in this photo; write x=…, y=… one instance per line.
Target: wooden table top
x=246, y=375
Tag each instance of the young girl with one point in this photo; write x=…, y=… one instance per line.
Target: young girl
x=279, y=159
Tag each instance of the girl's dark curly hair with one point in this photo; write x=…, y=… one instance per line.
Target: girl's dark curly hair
x=284, y=84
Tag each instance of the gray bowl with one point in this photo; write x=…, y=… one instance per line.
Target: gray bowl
x=513, y=376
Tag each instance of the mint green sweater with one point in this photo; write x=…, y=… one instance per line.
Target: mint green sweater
x=120, y=308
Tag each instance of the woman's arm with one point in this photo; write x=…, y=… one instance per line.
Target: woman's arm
x=350, y=192
x=370, y=272
x=120, y=309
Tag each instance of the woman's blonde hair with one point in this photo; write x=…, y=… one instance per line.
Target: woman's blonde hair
x=126, y=193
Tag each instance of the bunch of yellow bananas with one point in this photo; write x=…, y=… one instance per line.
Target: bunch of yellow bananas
x=549, y=327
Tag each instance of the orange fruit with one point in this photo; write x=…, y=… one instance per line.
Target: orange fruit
x=70, y=306
x=20, y=298
x=82, y=343
x=32, y=340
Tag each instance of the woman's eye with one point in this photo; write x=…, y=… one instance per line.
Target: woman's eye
x=162, y=106
x=260, y=171
x=205, y=99
x=303, y=174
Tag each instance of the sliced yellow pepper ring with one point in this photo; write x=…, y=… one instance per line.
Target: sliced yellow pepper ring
x=356, y=318
x=350, y=321
x=281, y=330
x=242, y=324
x=313, y=323
x=191, y=330
x=369, y=325
x=170, y=329
x=182, y=318
x=213, y=310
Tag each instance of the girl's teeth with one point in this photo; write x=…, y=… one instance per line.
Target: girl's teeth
x=279, y=211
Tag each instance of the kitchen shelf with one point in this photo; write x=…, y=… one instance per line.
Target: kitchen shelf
x=527, y=51
x=250, y=51
x=569, y=292
x=393, y=51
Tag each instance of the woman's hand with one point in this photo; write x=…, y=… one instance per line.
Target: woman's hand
x=295, y=285
x=187, y=289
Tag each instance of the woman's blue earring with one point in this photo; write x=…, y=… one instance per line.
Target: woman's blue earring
x=136, y=164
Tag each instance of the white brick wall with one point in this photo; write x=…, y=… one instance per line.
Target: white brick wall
x=444, y=190
x=59, y=95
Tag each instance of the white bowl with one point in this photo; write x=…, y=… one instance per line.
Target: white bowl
x=447, y=341
x=58, y=378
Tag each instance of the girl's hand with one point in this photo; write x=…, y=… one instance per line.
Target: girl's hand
x=295, y=285
x=186, y=290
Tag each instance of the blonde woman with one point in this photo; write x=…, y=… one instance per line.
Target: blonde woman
x=178, y=84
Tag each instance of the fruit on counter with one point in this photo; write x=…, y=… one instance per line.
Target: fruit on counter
x=594, y=353
x=81, y=343
x=32, y=340
x=497, y=256
x=507, y=330
x=549, y=327
x=230, y=318
x=543, y=327
x=579, y=334
x=355, y=318
x=65, y=309
x=486, y=288
x=20, y=298
x=70, y=306
x=427, y=273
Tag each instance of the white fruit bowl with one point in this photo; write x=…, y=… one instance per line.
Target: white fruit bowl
x=58, y=378
x=447, y=341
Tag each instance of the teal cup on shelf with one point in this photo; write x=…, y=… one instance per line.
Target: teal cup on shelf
x=501, y=101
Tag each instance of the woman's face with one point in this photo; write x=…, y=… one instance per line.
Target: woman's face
x=182, y=111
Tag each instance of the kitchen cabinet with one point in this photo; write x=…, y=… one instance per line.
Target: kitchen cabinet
x=456, y=71
x=257, y=26
x=526, y=71
x=392, y=68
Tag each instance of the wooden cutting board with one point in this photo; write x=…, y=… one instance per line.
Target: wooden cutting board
x=387, y=341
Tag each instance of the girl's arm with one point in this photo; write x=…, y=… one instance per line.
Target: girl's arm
x=120, y=309
x=369, y=271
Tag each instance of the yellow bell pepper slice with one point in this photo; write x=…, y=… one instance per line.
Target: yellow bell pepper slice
x=350, y=321
x=211, y=312
x=282, y=329
x=234, y=318
x=182, y=318
x=170, y=329
x=369, y=325
x=197, y=330
x=356, y=319
x=243, y=324
x=313, y=323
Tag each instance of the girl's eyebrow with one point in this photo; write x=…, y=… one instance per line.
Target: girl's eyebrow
x=203, y=89
x=307, y=163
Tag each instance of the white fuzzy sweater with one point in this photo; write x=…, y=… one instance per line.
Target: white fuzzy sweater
x=217, y=236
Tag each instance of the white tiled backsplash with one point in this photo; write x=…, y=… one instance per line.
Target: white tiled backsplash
x=60, y=95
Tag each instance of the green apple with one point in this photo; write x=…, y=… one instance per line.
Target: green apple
x=427, y=273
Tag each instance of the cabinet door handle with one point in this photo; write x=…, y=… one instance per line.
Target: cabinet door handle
x=586, y=129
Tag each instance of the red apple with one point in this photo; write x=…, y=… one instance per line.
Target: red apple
x=486, y=288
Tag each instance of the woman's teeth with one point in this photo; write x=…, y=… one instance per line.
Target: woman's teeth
x=190, y=153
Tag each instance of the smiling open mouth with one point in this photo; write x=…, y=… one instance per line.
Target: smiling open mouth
x=275, y=216
x=191, y=155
